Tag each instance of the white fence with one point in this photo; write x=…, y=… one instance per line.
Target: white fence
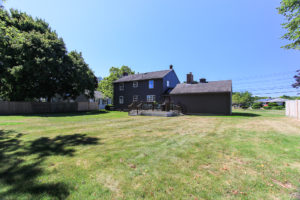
x=292, y=109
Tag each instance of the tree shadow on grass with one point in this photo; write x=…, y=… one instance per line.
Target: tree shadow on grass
x=20, y=164
x=234, y=114
x=240, y=114
x=67, y=114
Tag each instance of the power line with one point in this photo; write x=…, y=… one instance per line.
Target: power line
x=263, y=81
x=292, y=73
x=281, y=92
x=269, y=88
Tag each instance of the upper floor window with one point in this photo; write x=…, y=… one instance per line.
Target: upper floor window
x=151, y=84
x=121, y=86
x=135, y=84
x=135, y=98
x=168, y=83
x=150, y=98
x=121, y=99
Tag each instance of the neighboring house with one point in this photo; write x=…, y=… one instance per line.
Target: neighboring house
x=150, y=87
x=98, y=97
x=204, y=97
x=279, y=101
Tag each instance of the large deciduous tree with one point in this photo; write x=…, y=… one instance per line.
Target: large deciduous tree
x=106, y=85
x=291, y=10
x=34, y=62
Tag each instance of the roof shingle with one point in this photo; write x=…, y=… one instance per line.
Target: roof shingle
x=144, y=76
x=209, y=87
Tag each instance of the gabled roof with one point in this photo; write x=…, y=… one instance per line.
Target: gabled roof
x=276, y=100
x=97, y=94
x=144, y=76
x=209, y=87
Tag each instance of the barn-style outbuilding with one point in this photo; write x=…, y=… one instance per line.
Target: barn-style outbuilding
x=203, y=97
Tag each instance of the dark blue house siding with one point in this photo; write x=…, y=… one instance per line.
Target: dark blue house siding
x=160, y=86
x=172, y=78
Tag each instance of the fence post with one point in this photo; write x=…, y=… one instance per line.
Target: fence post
x=297, y=102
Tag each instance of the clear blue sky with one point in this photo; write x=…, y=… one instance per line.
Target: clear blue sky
x=233, y=39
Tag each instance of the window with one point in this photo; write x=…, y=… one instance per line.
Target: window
x=168, y=83
x=121, y=99
x=151, y=84
x=150, y=98
x=121, y=86
x=104, y=101
x=135, y=84
x=135, y=98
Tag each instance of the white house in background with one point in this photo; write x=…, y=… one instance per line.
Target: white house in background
x=279, y=101
x=98, y=97
x=103, y=101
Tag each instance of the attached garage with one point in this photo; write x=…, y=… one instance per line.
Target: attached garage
x=205, y=97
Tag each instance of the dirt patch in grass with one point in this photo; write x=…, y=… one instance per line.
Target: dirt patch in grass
x=283, y=125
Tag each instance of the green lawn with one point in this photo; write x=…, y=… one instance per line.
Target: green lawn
x=250, y=155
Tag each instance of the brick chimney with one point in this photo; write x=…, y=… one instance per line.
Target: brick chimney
x=171, y=66
x=189, y=78
x=203, y=80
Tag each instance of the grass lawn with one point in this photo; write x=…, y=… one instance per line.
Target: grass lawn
x=250, y=155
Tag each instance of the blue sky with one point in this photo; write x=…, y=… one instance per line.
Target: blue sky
x=233, y=39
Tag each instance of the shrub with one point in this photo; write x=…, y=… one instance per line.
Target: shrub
x=272, y=104
x=244, y=106
x=278, y=107
x=108, y=106
x=268, y=107
x=257, y=105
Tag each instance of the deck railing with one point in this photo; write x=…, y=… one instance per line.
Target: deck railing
x=138, y=106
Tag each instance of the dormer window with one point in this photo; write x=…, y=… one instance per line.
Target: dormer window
x=121, y=86
x=151, y=84
x=135, y=84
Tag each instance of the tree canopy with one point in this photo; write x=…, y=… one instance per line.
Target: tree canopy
x=106, y=84
x=34, y=62
x=242, y=98
x=290, y=9
x=297, y=79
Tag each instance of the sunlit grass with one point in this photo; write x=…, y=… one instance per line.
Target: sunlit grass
x=99, y=155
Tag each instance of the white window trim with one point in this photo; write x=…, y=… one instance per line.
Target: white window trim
x=121, y=100
x=151, y=98
x=135, y=98
x=135, y=84
x=149, y=84
x=121, y=86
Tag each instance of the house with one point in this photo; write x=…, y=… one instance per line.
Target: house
x=150, y=87
x=204, y=97
x=98, y=97
x=279, y=101
x=212, y=97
